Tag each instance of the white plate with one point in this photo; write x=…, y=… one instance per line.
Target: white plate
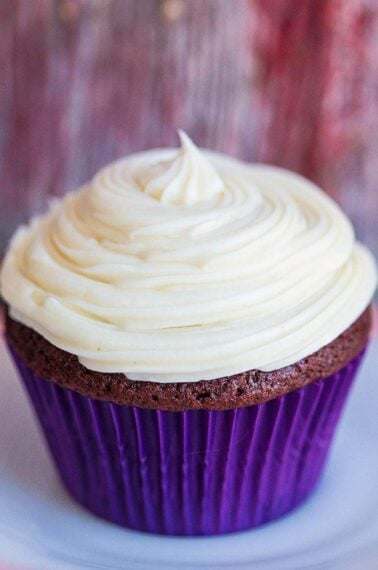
x=41, y=528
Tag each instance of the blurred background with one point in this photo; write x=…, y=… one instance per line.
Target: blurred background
x=289, y=82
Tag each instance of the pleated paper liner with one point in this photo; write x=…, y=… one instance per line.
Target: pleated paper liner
x=195, y=472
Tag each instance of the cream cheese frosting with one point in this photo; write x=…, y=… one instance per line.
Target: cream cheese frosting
x=178, y=265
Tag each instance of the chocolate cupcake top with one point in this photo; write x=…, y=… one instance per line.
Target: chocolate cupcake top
x=187, y=265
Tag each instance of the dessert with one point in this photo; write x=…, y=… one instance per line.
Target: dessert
x=188, y=327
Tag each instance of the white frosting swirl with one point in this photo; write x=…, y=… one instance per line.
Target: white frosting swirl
x=181, y=265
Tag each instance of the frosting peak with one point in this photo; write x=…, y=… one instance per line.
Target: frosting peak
x=188, y=178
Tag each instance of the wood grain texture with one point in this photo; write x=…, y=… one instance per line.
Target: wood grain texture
x=86, y=81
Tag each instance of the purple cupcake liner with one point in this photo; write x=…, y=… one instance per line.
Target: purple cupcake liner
x=195, y=472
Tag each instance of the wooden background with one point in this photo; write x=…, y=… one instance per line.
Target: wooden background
x=291, y=82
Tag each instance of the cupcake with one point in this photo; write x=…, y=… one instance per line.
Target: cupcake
x=188, y=327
